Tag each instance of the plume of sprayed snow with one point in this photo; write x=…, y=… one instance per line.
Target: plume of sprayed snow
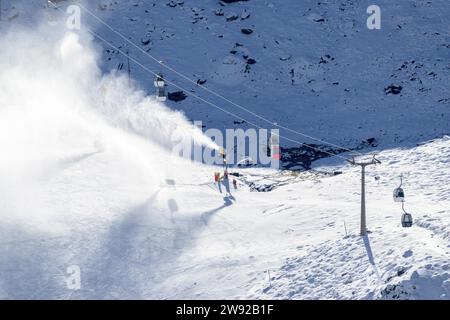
x=41, y=74
x=132, y=110
x=55, y=103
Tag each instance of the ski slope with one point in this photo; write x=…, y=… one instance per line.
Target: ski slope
x=86, y=179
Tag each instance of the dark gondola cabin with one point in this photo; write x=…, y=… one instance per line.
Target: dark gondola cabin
x=407, y=220
x=399, y=195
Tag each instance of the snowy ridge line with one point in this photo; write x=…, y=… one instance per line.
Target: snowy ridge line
x=213, y=92
x=94, y=34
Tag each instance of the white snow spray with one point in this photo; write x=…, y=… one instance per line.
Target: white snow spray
x=57, y=107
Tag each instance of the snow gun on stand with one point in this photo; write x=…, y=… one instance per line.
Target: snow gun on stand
x=217, y=177
x=225, y=164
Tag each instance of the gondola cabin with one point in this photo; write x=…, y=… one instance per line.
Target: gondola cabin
x=407, y=220
x=274, y=146
x=160, y=86
x=399, y=195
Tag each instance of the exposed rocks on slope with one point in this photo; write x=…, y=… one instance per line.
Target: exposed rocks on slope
x=393, y=89
x=176, y=96
x=247, y=31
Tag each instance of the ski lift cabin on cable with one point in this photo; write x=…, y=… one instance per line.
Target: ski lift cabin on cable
x=160, y=85
x=274, y=146
x=399, y=194
x=407, y=219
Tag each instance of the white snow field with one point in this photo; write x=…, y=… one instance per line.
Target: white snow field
x=87, y=177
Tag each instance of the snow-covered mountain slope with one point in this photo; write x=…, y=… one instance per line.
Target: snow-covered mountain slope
x=296, y=235
x=133, y=236
x=318, y=69
x=87, y=179
x=314, y=66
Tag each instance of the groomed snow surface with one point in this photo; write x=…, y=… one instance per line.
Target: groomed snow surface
x=85, y=179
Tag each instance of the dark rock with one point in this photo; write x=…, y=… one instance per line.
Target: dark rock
x=174, y=3
x=372, y=142
x=326, y=59
x=247, y=31
x=407, y=254
x=245, y=15
x=304, y=155
x=232, y=17
x=176, y=96
x=393, y=89
x=251, y=61
x=261, y=187
x=401, y=271
x=145, y=41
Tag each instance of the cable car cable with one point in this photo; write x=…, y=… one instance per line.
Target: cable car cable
x=210, y=103
x=211, y=91
x=96, y=35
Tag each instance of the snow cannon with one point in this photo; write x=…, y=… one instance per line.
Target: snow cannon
x=223, y=154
